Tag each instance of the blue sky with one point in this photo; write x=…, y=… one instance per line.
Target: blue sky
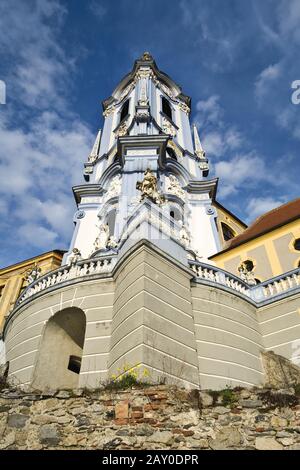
x=60, y=59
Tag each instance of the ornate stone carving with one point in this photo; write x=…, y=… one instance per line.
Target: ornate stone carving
x=166, y=90
x=246, y=275
x=112, y=242
x=102, y=239
x=184, y=107
x=122, y=130
x=184, y=236
x=114, y=188
x=143, y=99
x=146, y=56
x=33, y=274
x=126, y=91
x=109, y=110
x=80, y=214
x=75, y=256
x=148, y=187
x=168, y=128
x=173, y=186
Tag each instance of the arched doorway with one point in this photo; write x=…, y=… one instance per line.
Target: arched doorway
x=59, y=356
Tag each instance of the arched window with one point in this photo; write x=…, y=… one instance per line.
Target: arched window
x=228, y=233
x=125, y=110
x=166, y=107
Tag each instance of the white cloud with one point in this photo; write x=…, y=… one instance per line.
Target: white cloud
x=217, y=136
x=37, y=236
x=266, y=79
x=241, y=172
x=260, y=205
x=43, y=143
x=98, y=9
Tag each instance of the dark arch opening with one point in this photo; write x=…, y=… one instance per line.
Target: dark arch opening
x=125, y=110
x=59, y=356
x=166, y=107
x=228, y=233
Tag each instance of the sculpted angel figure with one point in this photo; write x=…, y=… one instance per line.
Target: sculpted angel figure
x=33, y=274
x=148, y=187
x=102, y=238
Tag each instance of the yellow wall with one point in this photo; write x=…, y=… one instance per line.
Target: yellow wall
x=272, y=253
x=12, y=279
x=229, y=219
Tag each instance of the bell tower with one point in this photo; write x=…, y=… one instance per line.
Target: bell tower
x=147, y=174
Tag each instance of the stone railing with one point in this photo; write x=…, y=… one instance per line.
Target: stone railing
x=216, y=275
x=276, y=286
x=262, y=292
x=68, y=272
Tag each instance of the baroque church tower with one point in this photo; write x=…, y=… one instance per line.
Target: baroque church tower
x=146, y=177
x=137, y=288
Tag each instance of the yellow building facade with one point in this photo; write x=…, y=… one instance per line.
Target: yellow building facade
x=271, y=245
x=13, y=278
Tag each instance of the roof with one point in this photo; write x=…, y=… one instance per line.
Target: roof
x=230, y=213
x=267, y=222
x=147, y=60
x=59, y=253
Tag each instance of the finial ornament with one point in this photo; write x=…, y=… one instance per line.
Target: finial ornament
x=147, y=56
x=148, y=187
x=95, y=150
x=200, y=153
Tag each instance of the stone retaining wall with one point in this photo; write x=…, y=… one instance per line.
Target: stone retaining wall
x=156, y=417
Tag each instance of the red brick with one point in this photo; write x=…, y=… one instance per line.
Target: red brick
x=121, y=421
x=137, y=414
x=122, y=410
x=152, y=407
x=137, y=408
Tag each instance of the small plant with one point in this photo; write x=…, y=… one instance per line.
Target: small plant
x=278, y=400
x=226, y=396
x=128, y=377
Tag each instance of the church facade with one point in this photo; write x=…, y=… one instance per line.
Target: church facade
x=139, y=285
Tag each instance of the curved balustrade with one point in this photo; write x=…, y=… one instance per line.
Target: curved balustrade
x=217, y=275
x=66, y=273
x=259, y=293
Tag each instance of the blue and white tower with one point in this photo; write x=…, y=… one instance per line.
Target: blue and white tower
x=146, y=127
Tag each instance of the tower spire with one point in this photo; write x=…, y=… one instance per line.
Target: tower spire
x=96, y=147
x=203, y=162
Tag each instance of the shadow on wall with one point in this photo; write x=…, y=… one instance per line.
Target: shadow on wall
x=60, y=351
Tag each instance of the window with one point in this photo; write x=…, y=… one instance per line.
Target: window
x=74, y=364
x=297, y=244
x=166, y=108
x=172, y=215
x=228, y=233
x=124, y=111
x=171, y=153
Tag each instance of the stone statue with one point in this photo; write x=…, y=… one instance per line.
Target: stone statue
x=33, y=274
x=148, y=187
x=184, y=236
x=112, y=242
x=246, y=275
x=114, y=188
x=173, y=186
x=75, y=256
x=102, y=238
